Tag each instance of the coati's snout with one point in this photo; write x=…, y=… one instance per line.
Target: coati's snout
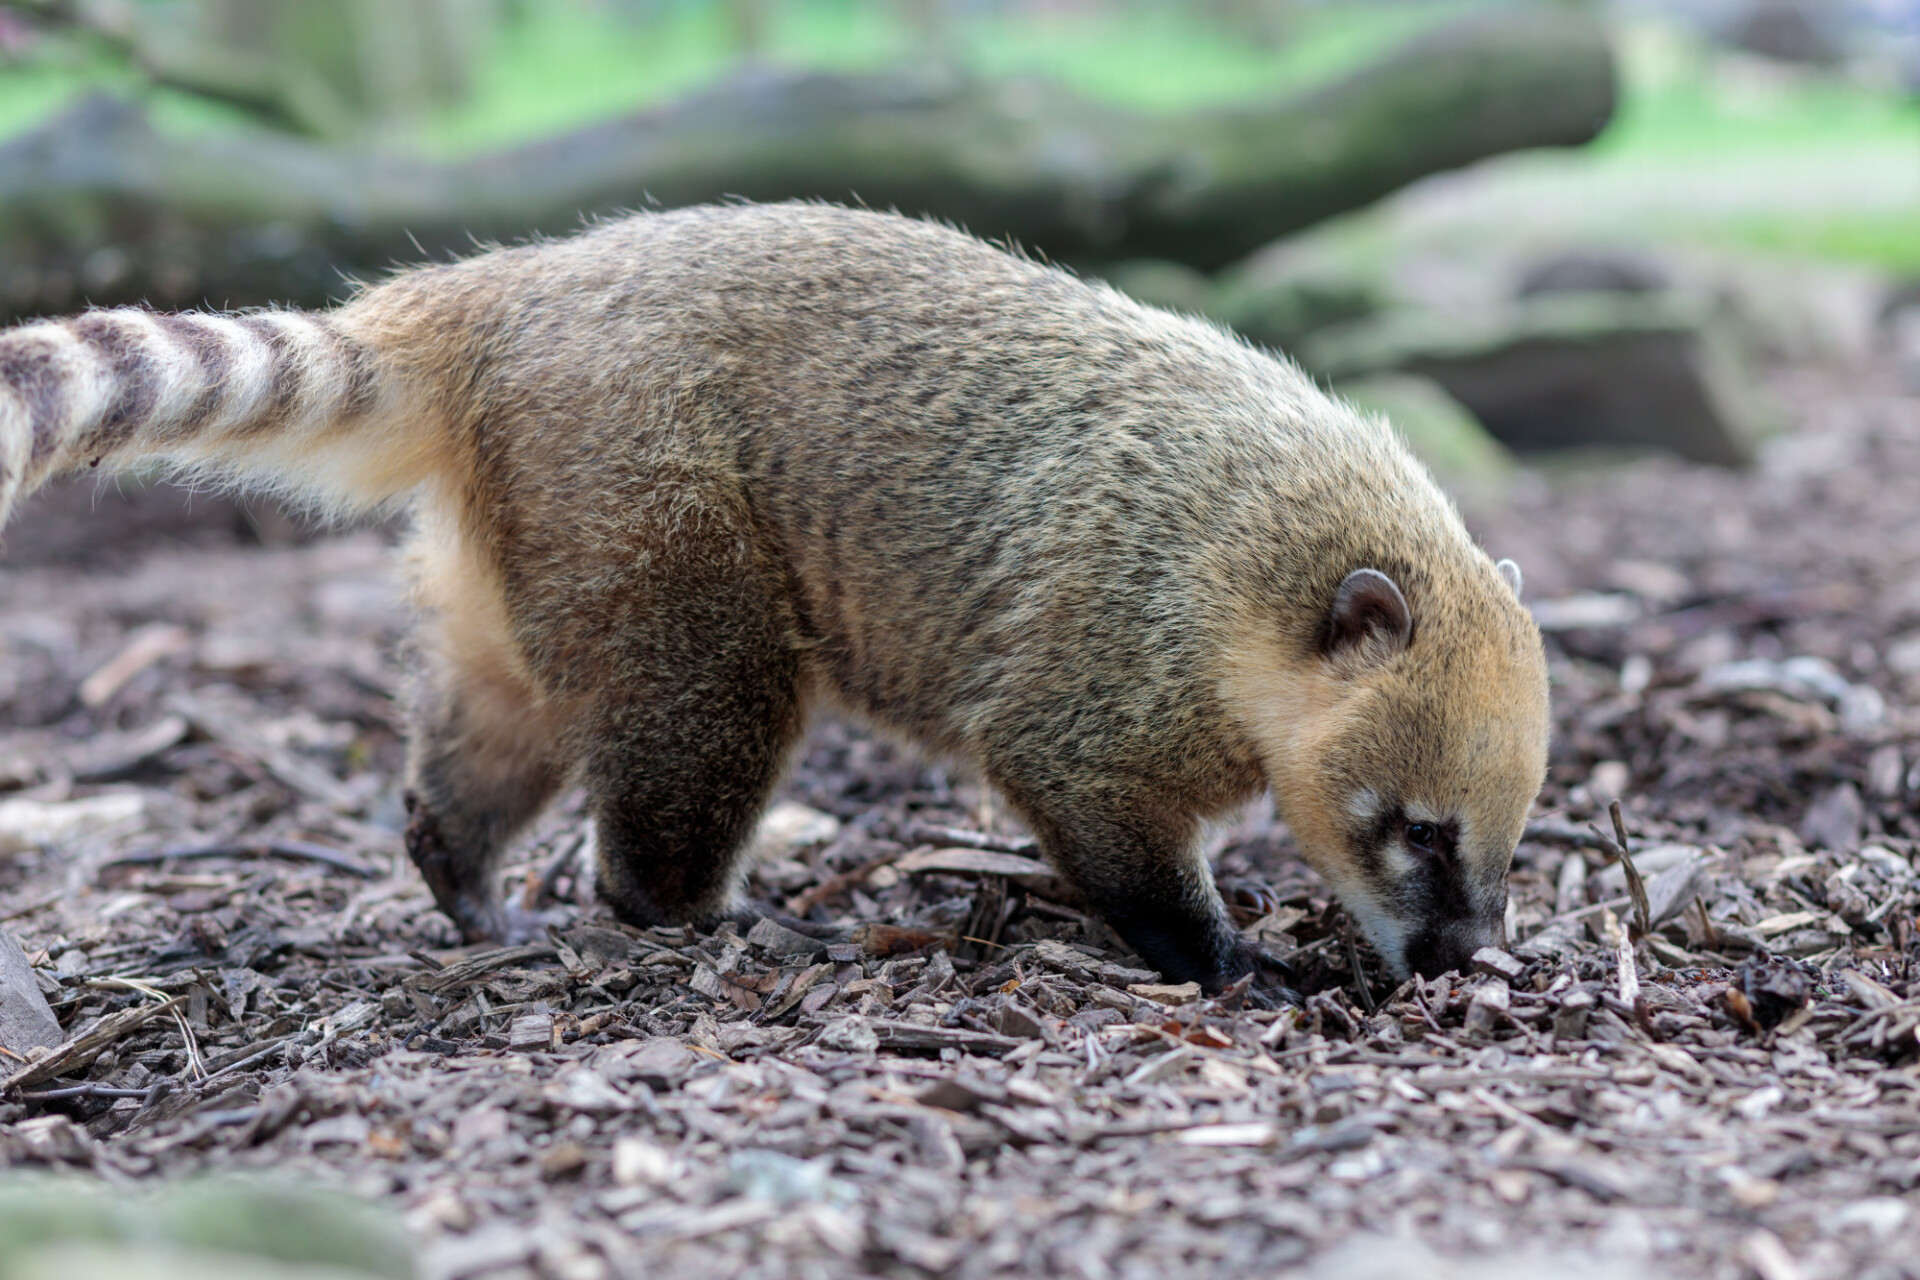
x=1404, y=753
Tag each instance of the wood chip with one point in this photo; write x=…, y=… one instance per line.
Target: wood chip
x=531, y=1032
x=908, y=1036
x=1498, y=963
x=79, y=1052
x=143, y=648
x=974, y=861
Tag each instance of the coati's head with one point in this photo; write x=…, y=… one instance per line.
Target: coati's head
x=1404, y=749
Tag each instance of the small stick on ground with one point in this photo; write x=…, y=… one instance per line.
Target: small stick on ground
x=800, y=904
x=1636, y=887
x=968, y=839
x=1359, y=968
x=297, y=850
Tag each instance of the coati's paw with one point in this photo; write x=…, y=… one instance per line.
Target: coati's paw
x=473, y=906
x=1269, y=979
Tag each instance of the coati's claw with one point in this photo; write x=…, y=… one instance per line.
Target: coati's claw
x=1249, y=900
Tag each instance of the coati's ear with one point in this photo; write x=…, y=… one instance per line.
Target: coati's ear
x=1511, y=572
x=1370, y=621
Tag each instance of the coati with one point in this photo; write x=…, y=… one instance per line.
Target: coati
x=683, y=479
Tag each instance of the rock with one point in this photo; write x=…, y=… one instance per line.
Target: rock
x=26, y=1021
x=1593, y=271
x=1565, y=370
x=851, y=1034
x=597, y=946
x=1467, y=461
x=1018, y=1022
x=786, y=1180
x=1786, y=31
x=638, y=1162
x=1557, y=939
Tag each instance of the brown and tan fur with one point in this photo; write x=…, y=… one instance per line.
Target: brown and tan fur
x=684, y=478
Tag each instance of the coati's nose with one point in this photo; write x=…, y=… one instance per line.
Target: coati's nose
x=1448, y=946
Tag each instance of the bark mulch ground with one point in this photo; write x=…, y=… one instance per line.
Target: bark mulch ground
x=1702, y=1064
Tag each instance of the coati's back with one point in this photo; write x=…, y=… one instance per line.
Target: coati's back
x=1104, y=553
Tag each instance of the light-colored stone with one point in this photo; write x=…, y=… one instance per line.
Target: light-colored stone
x=26, y=1021
x=1568, y=370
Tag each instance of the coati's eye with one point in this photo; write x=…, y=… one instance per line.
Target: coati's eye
x=1423, y=837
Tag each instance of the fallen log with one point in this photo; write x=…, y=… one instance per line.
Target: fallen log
x=96, y=206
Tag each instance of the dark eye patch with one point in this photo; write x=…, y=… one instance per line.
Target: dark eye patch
x=1431, y=840
x=1432, y=843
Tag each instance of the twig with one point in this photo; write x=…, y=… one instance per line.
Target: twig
x=145, y=647
x=298, y=850
x=1359, y=969
x=87, y=1090
x=194, y=1059
x=1556, y=831
x=802, y=903
x=1636, y=887
x=88, y=1045
x=265, y=1051
x=541, y=891
x=1623, y=948
x=931, y=834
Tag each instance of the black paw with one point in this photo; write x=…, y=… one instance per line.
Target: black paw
x=1269, y=979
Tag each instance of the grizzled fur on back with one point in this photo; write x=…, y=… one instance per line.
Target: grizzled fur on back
x=684, y=478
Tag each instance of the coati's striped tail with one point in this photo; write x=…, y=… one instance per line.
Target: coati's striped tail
x=282, y=398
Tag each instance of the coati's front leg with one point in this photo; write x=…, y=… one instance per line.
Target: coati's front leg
x=1140, y=866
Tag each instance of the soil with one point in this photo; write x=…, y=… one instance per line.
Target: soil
x=1714, y=1077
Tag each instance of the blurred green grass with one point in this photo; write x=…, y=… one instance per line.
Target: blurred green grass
x=566, y=63
x=573, y=64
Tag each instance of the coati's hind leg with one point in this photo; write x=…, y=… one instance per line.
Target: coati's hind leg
x=484, y=750
x=694, y=711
